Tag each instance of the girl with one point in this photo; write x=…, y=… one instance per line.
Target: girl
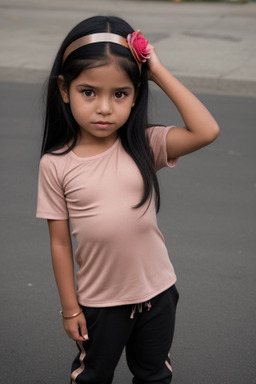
x=98, y=171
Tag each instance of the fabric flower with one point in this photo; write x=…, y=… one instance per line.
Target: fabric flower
x=138, y=46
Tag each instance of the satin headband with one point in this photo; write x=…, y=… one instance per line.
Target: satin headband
x=98, y=38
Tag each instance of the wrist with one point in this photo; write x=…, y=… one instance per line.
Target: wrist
x=67, y=315
x=157, y=73
x=69, y=310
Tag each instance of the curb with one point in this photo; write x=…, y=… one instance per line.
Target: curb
x=218, y=86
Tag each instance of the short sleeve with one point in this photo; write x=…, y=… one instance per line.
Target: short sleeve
x=157, y=141
x=51, y=203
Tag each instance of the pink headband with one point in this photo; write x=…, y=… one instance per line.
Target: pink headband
x=135, y=42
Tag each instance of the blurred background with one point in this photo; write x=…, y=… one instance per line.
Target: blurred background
x=208, y=200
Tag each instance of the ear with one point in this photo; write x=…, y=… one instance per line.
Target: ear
x=63, y=89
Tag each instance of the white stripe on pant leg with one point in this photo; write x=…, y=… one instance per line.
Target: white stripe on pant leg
x=168, y=365
x=82, y=366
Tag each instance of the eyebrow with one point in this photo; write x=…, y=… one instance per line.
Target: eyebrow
x=114, y=89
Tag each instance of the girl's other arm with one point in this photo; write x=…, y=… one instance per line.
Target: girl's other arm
x=63, y=266
x=200, y=127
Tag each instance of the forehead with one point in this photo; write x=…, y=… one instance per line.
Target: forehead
x=108, y=75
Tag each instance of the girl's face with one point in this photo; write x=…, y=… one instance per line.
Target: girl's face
x=100, y=99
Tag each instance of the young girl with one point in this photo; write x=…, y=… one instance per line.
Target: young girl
x=98, y=173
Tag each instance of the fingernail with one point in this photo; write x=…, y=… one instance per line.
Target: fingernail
x=86, y=337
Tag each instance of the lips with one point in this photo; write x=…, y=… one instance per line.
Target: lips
x=103, y=124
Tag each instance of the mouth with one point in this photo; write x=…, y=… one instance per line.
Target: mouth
x=103, y=124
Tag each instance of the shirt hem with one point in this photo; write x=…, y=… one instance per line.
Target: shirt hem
x=172, y=162
x=117, y=303
x=50, y=216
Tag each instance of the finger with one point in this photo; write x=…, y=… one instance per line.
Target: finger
x=75, y=335
x=83, y=329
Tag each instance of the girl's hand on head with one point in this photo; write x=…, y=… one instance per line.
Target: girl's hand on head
x=76, y=328
x=154, y=64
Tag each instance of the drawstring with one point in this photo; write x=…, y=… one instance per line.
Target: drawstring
x=133, y=311
x=148, y=305
x=139, y=305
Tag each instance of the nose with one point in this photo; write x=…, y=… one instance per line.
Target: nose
x=104, y=106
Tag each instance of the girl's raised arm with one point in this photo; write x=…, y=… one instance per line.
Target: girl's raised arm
x=200, y=127
x=62, y=260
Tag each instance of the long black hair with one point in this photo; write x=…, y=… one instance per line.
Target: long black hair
x=60, y=128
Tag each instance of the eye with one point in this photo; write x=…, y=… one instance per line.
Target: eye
x=88, y=93
x=120, y=94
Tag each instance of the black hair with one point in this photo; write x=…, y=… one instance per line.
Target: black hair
x=60, y=128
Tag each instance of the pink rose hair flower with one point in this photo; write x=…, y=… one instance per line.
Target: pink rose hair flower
x=138, y=46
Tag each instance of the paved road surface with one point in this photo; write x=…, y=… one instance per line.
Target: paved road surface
x=208, y=219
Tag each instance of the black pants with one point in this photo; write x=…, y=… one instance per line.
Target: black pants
x=147, y=338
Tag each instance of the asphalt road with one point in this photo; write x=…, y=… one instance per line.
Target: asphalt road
x=207, y=217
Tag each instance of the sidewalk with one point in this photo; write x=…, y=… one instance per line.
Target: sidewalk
x=210, y=47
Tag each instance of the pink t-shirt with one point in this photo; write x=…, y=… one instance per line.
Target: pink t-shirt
x=120, y=251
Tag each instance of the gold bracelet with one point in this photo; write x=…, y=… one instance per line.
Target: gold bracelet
x=71, y=317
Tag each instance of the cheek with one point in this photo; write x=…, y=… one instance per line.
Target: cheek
x=124, y=115
x=75, y=112
x=126, y=110
x=78, y=110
